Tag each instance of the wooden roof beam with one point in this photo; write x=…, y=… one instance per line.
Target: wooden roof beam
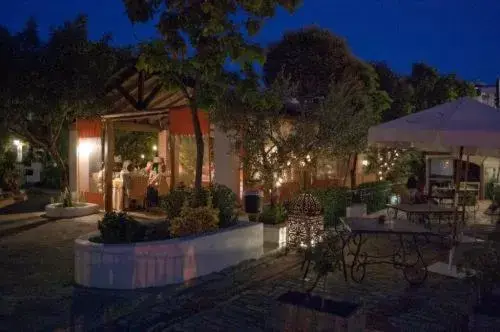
x=133, y=126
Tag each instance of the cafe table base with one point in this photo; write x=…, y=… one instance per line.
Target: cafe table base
x=406, y=256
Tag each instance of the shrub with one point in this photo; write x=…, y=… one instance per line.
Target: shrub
x=490, y=189
x=334, y=202
x=224, y=199
x=273, y=214
x=194, y=220
x=51, y=177
x=120, y=228
x=375, y=195
x=174, y=201
x=10, y=179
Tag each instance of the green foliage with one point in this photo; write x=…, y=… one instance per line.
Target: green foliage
x=484, y=260
x=219, y=196
x=496, y=195
x=334, y=202
x=425, y=87
x=327, y=257
x=10, y=179
x=376, y=195
x=194, y=220
x=66, y=199
x=131, y=145
x=173, y=202
x=47, y=84
x=273, y=214
x=120, y=228
x=199, y=39
x=490, y=189
x=224, y=199
x=397, y=165
x=51, y=177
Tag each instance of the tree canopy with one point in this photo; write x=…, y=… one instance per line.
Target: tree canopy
x=48, y=83
x=198, y=39
x=425, y=87
x=332, y=84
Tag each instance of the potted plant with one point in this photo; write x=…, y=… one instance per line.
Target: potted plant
x=481, y=265
x=357, y=208
x=273, y=217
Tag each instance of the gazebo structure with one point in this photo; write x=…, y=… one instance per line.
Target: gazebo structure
x=140, y=103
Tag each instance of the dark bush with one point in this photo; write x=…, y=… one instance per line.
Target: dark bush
x=490, y=190
x=223, y=199
x=51, y=177
x=173, y=202
x=273, y=214
x=10, y=179
x=334, y=202
x=375, y=195
x=120, y=228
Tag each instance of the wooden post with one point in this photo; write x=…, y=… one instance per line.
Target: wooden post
x=466, y=193
x=172, y=146
x=109, y=160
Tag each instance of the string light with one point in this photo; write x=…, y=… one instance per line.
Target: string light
x=387, y=161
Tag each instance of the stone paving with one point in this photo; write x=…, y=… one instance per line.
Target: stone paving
x=36, y=283
x=245, y=300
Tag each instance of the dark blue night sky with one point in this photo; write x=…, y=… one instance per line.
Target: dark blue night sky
x=459, y=36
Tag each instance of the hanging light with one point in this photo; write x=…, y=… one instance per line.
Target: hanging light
x=84, y=148
x=155, y=147
x=365, y=162
x=143, y=156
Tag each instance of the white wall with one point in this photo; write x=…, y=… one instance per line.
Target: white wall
x=226, y=162
x=151, y=264
x=73, y=140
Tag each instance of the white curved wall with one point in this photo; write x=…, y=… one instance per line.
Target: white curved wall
x=150, y=264
x=57, y=211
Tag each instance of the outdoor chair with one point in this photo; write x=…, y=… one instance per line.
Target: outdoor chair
x=139, y=183
x=470, y=202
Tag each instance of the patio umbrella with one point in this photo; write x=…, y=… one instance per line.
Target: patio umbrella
x=461, y=126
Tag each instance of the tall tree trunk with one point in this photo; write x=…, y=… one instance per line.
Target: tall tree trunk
x=353, y=170
x=199, y=146
x=56, y=156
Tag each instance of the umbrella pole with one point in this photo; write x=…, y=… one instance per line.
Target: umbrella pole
x=455, y=206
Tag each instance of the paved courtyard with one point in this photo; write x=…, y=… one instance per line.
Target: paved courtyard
x=36, y=283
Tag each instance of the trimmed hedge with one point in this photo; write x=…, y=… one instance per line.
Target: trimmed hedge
x=223, y=199
x=335, y=200
x=375, y=195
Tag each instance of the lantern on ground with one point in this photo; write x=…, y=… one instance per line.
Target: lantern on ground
x=305, y=222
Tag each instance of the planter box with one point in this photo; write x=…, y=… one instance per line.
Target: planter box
x=486, y=315
x=57, y=211
x=275, y=234
x=159, y=263
x=356, y=210
x=302, y=312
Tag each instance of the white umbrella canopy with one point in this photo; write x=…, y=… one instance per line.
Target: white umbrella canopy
x=464, y=122
x=464, y=125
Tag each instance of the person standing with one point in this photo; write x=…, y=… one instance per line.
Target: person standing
x=411, y=185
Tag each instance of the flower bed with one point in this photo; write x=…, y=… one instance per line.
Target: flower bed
x=159, y=263
x=57, y=210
